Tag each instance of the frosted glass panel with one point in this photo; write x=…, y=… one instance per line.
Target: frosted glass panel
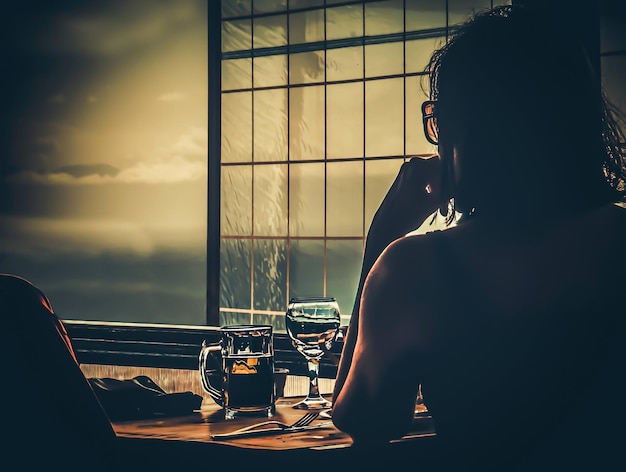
x=237, y=74
x=343, y=269
x=415, y=140
x=306, y=200
x=384, y=17
x=418, y=53
x=306, y=67
x=236, y=35
x=379, y=175
x=384, y=117
x=461, y=10
x=236, y=8
x=270, y=71
x=344, y=120
x=270, y=200
x=236, y=204
x=270, y=125
x=306, y=111
x=270, y=275
x=425, y=14
x=344, y=63
x=384, y=59
x=344, y=22
x=269, y=6
x=237, y=127
x=306, y=27
x=306, y=273
x=344, y=206
x=270, y=31
x=235, y=257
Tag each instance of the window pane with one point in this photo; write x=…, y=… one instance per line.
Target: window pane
x=270, y=31
x=236, y=74
x=270, y=200
x=344, y=22
x=384, y=116
x=343, y=269
x=306, y=268
x=306, y=200
x=306, y=67
x=418, y=53
x=461, y=10
x=235, y=8
x=236, y=35
x=344, y=120
x=379, y=175
x=270, y=274
x=235, y=257
x=269, y=6
x=237, y=127
x=306, y=27
x=384, y=17
x=236, y=201
x=234, y=318
x=415, y=140
x=345, y=199
x=344, y=63
x=613, y=73
x=306, y=114
x=270, y=125
x=277, y=321
x=612, y=37
x=270, y=70
x=293, y=4
x=425, y=14
x=384, y=59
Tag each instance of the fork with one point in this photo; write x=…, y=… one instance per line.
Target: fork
x=278, y=427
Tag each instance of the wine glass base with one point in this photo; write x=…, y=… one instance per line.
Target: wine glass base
x=313, y=404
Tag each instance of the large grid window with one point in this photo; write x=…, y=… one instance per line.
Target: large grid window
x=320, y=107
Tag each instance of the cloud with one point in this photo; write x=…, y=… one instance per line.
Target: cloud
x=171, y=97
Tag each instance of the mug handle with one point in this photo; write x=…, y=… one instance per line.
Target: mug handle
x=216, y=394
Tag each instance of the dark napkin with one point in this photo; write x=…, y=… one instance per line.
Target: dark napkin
x=140, y=397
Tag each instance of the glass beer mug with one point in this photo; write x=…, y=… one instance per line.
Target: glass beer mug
x=243, y=383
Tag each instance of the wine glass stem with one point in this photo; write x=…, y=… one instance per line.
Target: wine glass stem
x=314, y=371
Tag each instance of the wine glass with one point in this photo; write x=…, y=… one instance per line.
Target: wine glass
x=313, y=324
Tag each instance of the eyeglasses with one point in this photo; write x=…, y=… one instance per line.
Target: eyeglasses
x=429, y=119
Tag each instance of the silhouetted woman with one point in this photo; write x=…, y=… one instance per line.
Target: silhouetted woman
x=510, y=319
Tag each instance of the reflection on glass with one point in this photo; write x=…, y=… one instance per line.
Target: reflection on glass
x=270, y=200
x=344, y=120
x=415, y=141
x=425, y=14
x=270, y=274
x=344, y=195
x=236, y=74
x=418, y=52
x=384, y=59
x=461, y=10
x=270, y=125
x=306, y=132
x=344, y=22
x=270, y=31
x=379, y=175
x=270, y=70
x=343, y=269
x=344, y=63
x=238, y=8
x=306, y=67
x=384, y=17
x=235, y=257
x=236, y=201
x=306, y=200
x=236, y=35
x=237, y=127
x=268, y=6
x=306, y=27
x=384, y=117
x=306, y=268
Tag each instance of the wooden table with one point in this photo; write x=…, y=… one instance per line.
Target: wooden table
x=189, y=438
